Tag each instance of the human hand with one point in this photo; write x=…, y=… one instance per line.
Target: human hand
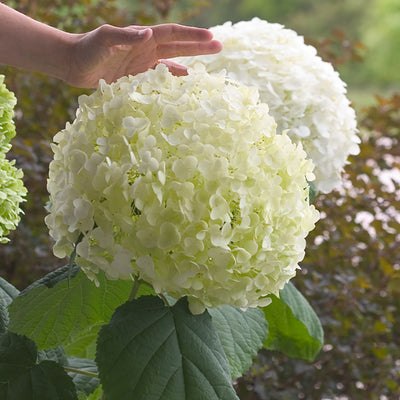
x=110, y=52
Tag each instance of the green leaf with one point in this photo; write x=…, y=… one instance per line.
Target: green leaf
x=7, y=294
x=17, y=354
x=145, y=290
x=242, y=334
x=58, y=355
x=96, y=395
x=152, y=352
x=3, y=390
x=7, y=291
x=67, y=313
x=45, y=381
x=4, y=318
x=83, y=383
x=51, y=279
x=23, y=378
x=312, y=192
x=293, y=326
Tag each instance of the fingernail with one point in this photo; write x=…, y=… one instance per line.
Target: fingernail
x=144, y=31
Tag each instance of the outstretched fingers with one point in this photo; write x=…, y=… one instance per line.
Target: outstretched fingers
x=175, y=68
x=175, y=33
x=129, y=35
x=180, y=49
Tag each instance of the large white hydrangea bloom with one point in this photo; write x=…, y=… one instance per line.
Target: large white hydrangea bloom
x=305, y=94
x=181, y=182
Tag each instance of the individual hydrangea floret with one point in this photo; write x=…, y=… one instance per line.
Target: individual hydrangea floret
x=305, y=94
x=7, y=127
x=183, y=183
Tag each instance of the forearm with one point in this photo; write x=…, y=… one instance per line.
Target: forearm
x=31, y=45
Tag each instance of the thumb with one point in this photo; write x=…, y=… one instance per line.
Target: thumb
x=113, y=35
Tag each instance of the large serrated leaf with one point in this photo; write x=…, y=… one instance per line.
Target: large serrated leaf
x=7, y=291
x=22, y=378
x=293, y=326
x=152, y=352
x=78, y=369
x=67, y=312
x=58, y=355
x=242, y=334
x=4, y=318
x=83, y=383
x=17, y=354
x=52, y=278
x=7, y=294
x=96, y=395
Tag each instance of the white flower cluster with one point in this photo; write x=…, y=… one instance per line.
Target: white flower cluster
x=305, y=94
x=7, y=127
x=183, y=183
x=12, y=190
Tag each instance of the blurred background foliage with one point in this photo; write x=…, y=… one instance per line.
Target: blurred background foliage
x=351, y=273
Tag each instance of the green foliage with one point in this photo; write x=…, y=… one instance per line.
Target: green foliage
x=151, y=12
x=67, y=313
x=177, y=355
x=84, y=384
x=293, y=326
x=58, y=355
x=314, y=18
x=22, y=377
x=96, y=395
x=381, y=34
x=241, y=333
x=7, y=294
x=4, y=319
x=82, y=371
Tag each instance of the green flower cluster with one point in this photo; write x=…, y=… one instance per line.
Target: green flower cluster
x=7, y=127
x=12, y=190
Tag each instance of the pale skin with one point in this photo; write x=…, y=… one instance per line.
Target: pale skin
x=107, y=52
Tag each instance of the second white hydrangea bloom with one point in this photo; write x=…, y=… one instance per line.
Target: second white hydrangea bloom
x=305, y=94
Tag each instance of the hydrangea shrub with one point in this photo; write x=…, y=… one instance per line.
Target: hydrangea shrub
x=12, y=190
x=305, y=94
x=183, y=183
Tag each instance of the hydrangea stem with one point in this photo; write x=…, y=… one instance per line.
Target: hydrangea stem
x=78, y=371
x=73, y=255
x=135, y=289
x=164, y=299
